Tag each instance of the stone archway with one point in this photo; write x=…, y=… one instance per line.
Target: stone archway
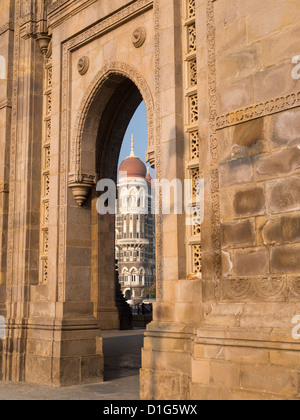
x=102, y=120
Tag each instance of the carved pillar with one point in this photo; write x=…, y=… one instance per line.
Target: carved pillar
x=23, y=227
x=6, y=51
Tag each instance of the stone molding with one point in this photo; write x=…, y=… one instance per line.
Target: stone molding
x=214, y=149
x=262, y=109
x=274, y=288
x=9, y=26
x=63, y=10
x=13, y=145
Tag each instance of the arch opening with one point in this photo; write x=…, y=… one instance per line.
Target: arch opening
x=103, y=129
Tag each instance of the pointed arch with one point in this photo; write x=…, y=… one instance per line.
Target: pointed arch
x=88, y=120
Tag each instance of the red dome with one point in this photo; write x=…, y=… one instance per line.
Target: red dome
x=132, y=167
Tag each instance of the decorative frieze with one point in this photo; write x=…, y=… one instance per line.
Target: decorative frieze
x=214, y=148
x=192, y=133
x=46, y=164
x=269, y=288
x=272, y=106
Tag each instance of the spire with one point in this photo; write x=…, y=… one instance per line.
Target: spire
x=132, y=154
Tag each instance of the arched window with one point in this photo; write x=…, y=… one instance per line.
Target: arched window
x=134, y=275
x=124, y=198
x=132, y=197
x=125, y=275
x=142, y=277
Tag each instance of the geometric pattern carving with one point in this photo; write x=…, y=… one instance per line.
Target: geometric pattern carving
x=191, y=9
x=194, y=145
x=193, y=136
x=46, y=162
x=197, y=258
x=193, y=100
x=44, y=271
x=46, y=185
x=48, y=131
x=269, y=288
x=262, y=109
x=192, y=38
x=49, y=104
x=49, y=77
x=47, y=157
x=45, y=210
x=195, y=182
x=192, y=72
x=214, y=148
x=196, y=225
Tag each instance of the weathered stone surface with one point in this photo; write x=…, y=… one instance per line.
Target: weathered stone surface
x=283, y=195
x=283, y=230
x=236, y=172
x=282, y=163
x=249, y=202
x=251, y=262
x=248, y=138
x=285, y=259
x=271, y=379
x=238, y=234
x=238, y=64
x=285, y=128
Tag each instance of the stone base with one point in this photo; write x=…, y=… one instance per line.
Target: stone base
x=239, y=364
x=63, y=353
x=166, y=362
x=65, y=371
x=242, y=351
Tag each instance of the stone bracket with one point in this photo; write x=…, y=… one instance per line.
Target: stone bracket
x=81, y=187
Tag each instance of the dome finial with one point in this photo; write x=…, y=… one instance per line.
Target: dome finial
x=132, y=154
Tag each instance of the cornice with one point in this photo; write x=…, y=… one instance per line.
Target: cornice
x=63, y=10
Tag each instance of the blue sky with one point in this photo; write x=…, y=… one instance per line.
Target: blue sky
x=137, y=127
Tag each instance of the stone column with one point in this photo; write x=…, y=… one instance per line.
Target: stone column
x=166, y=368
x=6, y=56
x=24, y=184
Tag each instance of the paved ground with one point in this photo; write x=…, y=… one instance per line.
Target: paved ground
x=122, y=352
